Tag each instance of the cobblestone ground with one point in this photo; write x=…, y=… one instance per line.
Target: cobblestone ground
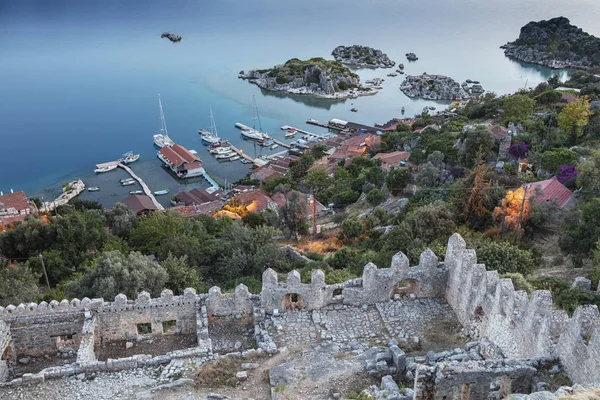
x=344, y=324
x=293, y=329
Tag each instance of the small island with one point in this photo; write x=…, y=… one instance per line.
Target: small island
x=411, y=57
x=555, y=43
x=316, y=77
x=438, y=87
x=362, y=56
x=172, y=37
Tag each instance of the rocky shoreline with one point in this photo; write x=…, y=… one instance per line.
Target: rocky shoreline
x=439, y=87
x=171, y=36
x=555, y=44
x=315, y=77
x=362, y=56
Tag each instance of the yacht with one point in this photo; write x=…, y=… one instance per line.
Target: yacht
x=162, y=139
x=224, y=155
x=220, y=150
x=105, y=169
x=210, y=137
x=161, y=192
x=93, y=189
x=253, y=133
x=234, y=158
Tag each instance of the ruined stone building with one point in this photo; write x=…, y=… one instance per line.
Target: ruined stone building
x=522, y=332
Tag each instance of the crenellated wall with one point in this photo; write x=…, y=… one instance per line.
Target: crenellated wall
x=5, y=350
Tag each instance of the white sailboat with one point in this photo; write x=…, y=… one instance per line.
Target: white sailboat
x=162, y=139
x=253, y=133
x=211, y=136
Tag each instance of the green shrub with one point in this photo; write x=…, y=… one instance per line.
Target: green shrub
x=519, y=282
x=505, y=258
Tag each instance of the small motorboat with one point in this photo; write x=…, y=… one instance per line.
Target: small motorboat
x=290, y=134
x=136, y=192
x=392, y=74
x=128, y=183
x=234, y=158
x=354, y=109
x=129, y=158
x=161, y=192
x=244, y=161
x=268, y=143
x=224, y=155
x=93, y=189
x=105, y=169
x=274, y=146
x=126, y=180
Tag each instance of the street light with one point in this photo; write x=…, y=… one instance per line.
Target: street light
x=313, y=204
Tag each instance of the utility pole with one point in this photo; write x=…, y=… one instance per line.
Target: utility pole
x=45, y=273
x=313, y=203
x=518, y=230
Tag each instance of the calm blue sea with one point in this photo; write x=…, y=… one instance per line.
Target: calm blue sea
x=79, y=79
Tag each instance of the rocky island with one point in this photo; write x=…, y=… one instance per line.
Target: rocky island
x=171, y=36
x=555, y=43
x=438, y=87
x=362, y=56
x=315, y=77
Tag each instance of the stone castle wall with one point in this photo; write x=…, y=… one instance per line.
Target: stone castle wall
x=487, y=306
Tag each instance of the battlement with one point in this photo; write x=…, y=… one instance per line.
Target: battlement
x=486, y=305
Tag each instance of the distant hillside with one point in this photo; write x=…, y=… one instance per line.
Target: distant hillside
x=556, y=44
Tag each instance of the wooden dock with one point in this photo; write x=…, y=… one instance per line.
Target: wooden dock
x=145, y=187
x=322, y=124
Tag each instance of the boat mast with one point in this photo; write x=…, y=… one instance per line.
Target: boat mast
x=163, y=123
x=257, y=115
x=213, y=126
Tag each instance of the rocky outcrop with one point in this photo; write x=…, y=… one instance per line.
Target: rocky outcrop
x=438, y=87
x=556, y=44
x=362, y=56
x=171, y=36
x=315, y=77
x=411, y=57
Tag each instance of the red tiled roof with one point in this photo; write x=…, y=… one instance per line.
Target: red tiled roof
x=264, y=173
x=7, y=221
x=552, y=190
x=17, y=200
x=205, y=208
x=138, y=203
x=198, y=196
x=391, y=159
x=178, y=155
x=255, y=201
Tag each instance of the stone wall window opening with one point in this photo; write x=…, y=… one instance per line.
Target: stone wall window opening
x=478, y=314
x=144, y=328
x=406, y=287
x=337, y=292
x=292, y=301
x=169, y=327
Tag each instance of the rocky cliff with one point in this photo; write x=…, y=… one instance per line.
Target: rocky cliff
x=316, y=77
x=362, y=56
x=438, y=87
x=556, y=44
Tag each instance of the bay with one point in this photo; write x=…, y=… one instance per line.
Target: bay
x=79, y=80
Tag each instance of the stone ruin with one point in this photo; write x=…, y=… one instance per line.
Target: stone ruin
x=513, y=336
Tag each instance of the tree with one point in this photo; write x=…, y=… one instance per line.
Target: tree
x=478, y=139
x=346, y=258
x=581, y=229
x=120, y=220
x=514, y=210
x=505, y=258
x=554, y=158
x=588, y=177
x=318, y=151
x=18, y=284
x=154, y=230
x=254, y=220
x=574, y=116
x=27, y=239
x=549, y=97
x=181, y=275
x=430, y=175
x=317, y=179
x=271, y=183
x=115, y=273
x=437, y=159
x=293, y=215
x=375, y=197
x=351, y=228
x=397, y=180
x=472, y=199
x=554, y=81
x=78, y=235
x=517, y=107
x=299, y=168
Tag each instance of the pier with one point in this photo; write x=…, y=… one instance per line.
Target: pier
x=210, y=180
x=302, y=131
x=76, y=187
x=323, y=125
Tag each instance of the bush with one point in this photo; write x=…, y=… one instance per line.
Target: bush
x=505, y=258
x=342, y=85
x=375, y=197
x=519, y=282
x=351, y=228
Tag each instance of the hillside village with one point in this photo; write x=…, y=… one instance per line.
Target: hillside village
x=517, y=176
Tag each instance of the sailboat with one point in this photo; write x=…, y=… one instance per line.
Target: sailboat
x=252, y=133
x=212, y=136
x=162, y=139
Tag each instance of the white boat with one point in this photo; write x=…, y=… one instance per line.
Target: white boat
x=93, y=189
x=244, y=161
x=211, y=136
x=126, y=180
x=162, y=139
x=128, y=183
x=129, y=158
x=224, y=155
x=105, y=169
x=234, y=158
x=161, y=192
x=290, y=134
x=274, y=146
x=136, y=192
x=220, y=150
x=253, y=133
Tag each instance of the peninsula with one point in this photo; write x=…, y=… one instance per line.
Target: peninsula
x=438, y=87
x=555, y=43
x=315, y=77
x=362, y=56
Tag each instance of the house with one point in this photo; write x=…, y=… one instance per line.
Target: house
x=255, y=201
x=355, y=146
x=393, y=159
x=199, y=209
x=277, y=166
x=198, y=196
x=139, y=204
x=181, y=161
x=551, y=190
x=264, y=173
x=14, y=207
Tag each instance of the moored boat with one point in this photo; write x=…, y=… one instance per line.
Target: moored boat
x=136, y=192
x=129, y=158
x=105, y=169
x=93, y=189
x=224, y=155
x=161, y=192
x=128, y=183
x=210, y=137
x=234, y=158
x=220, y=150
x=274, y=146
x=162, y=139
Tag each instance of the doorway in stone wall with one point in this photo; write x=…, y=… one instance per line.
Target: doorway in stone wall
x=292, y=302
x=406, y=287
